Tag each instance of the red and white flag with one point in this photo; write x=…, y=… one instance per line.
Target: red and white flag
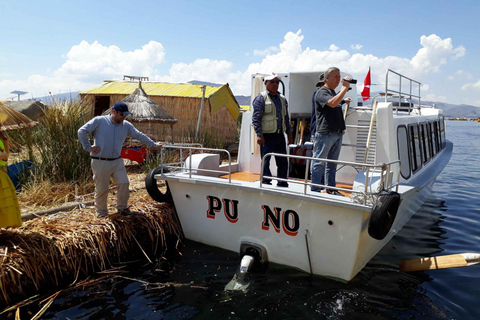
x=366, y=86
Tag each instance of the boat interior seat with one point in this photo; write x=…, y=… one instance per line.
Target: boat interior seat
x=204, y=164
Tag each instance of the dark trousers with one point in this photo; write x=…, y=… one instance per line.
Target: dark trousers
x=274, y=142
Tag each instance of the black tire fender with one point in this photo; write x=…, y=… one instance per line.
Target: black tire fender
x=152, y=187
x=383, y=215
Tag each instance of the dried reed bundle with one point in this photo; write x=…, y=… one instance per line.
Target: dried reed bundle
x=53, y=250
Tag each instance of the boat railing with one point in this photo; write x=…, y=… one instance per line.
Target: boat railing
x=394, y=92
x=381, y=174
x=383, y=171
x=403, y=99
x=182, y=164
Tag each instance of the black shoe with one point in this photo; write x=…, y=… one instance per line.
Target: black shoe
x=267, y=182
x=335, y=193
x=125, y=212
x=282, y=184
x=316, y=190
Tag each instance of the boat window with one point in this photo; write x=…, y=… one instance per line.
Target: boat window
x=436, y=136
x=415, y=147
x=403, y=151
x=430, y=139
x=423, y=138
x=442, y=131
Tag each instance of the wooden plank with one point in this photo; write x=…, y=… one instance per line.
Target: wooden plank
x=243, y=176
x=431, y=263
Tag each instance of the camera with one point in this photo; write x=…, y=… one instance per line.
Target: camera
x=354, y=81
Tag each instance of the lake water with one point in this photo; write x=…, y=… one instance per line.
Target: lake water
x=448, y=223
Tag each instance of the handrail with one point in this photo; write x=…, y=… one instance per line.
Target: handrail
x=384, y=167
x=189, y=168
x=386, y=180
x=400, y=92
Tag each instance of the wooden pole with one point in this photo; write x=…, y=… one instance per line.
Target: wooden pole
x=440, y=262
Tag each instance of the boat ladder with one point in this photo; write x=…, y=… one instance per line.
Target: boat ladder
x=368, y=155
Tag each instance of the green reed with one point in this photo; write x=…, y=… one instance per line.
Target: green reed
x=59, y=155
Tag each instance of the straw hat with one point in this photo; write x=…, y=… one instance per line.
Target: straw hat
x=3, y=117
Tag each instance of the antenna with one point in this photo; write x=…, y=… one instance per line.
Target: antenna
x=19, y=93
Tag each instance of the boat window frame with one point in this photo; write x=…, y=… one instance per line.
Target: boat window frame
x=404, y=167
x=415, y=146
x=430, y=139
x=436, y=136
x=424, y=142
x=442, y=131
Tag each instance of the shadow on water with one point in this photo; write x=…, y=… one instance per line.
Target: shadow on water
x=199, y=276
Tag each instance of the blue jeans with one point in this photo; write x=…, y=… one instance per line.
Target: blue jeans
x=274, y=142
x=326, y=146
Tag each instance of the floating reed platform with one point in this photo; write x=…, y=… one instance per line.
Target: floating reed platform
x=61, y=249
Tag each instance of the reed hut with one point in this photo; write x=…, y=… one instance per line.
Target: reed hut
x=31, y=108
x=147, y=115
x=183, y=101
x=17, y=121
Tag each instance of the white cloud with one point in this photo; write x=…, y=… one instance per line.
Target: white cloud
x=201, y=69
x=356, y=46
x=88, y=64
x=433, y=97
x=266, y=52
x=470, y=86
x=333, y=48
x=95, y=60
x=435, y=53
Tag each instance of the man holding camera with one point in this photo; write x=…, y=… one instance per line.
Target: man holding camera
x=330, y=129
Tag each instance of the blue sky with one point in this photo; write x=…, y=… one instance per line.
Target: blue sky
x=66, y=46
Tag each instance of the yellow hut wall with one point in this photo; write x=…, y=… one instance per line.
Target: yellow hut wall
x=186, y=111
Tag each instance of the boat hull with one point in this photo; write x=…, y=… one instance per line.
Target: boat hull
x=295, y=230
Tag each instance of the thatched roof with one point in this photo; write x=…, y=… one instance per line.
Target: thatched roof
x=31, y=108
x=144, y=109
x=218, y=97
x=15, y=120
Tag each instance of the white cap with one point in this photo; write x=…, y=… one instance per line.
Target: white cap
x=270, y=76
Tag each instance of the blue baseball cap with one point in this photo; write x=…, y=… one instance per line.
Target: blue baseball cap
x=122, y=107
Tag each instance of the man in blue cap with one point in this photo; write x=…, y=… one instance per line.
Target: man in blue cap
x=110, y=132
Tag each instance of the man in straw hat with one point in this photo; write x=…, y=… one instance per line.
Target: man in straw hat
x=271, y=121
x=110, y=133
x=4, y=148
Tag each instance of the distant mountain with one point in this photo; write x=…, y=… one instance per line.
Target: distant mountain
x=455, y=110
x=59, y=97
x=243, y=100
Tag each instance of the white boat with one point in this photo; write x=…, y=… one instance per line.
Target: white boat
x=391, y=155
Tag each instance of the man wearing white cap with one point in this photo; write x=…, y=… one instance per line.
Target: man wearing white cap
x=110, y=133
x=271, y=121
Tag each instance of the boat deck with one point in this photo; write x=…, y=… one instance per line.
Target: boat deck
x=252, y=177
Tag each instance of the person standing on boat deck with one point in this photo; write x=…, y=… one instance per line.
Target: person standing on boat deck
x=4, y=148
x=329, y=130
x=110, y=133
x=271, y=121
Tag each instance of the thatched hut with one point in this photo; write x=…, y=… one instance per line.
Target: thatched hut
x=17, y=121
x=180, y=100
x=147, y=115
x=31, y=108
